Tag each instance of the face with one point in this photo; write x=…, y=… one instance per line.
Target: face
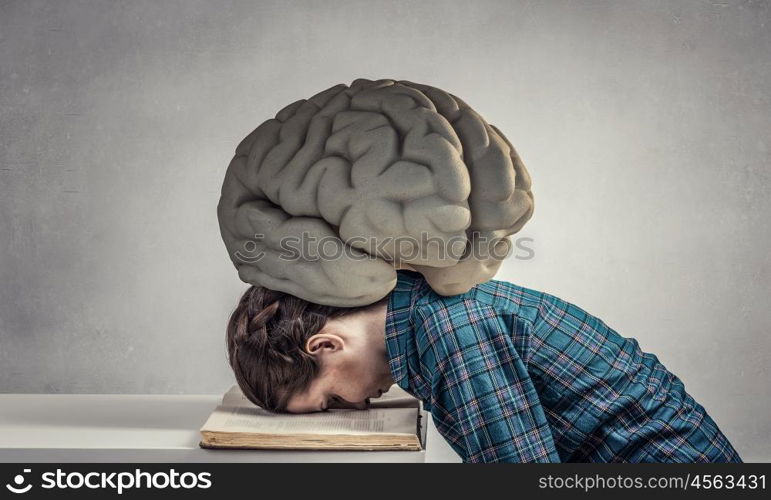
x=353, y=364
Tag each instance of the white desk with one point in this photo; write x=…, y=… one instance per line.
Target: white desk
x=150, y=428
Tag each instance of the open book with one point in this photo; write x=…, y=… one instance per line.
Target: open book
x=392, y=422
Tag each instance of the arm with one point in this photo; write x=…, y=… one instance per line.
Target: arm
x=482, y=398
x=617, y=403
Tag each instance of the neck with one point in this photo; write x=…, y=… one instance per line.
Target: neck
x=376, y=323
x=375, y=318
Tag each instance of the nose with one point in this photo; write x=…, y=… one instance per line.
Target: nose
x=341, y=403
x=362, y=405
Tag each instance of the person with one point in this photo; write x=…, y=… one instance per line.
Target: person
x=508, y=373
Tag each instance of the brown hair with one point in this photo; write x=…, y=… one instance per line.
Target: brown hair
x=265, y=341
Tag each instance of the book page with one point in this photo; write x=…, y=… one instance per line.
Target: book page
x=352, y=422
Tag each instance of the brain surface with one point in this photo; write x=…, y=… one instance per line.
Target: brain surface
x=333, y=195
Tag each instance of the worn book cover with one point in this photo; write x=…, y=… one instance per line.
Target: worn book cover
x=392, y=422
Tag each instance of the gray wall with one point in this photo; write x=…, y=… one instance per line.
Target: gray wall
x=645, y=126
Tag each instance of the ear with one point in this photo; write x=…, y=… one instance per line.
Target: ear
x=324, y=343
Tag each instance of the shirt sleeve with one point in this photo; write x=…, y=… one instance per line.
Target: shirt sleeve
x=481, y=396
x=616, y=402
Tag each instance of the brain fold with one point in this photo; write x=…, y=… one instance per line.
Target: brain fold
x=333, y=195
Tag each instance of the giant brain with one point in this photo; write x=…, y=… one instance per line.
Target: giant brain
x=333, y=195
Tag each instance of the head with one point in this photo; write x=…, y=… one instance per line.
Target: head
x=291, y=355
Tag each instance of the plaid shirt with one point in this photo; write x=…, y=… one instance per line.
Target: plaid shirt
x=511, y=374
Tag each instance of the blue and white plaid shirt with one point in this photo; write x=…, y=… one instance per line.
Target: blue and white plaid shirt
x=511, y=374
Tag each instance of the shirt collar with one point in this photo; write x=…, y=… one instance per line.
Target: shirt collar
x=398, y=328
